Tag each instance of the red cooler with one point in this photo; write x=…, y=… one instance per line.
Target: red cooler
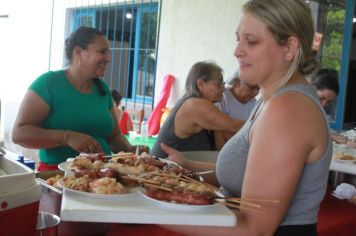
x=19, y=198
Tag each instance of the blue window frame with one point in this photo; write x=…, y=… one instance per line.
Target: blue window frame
x=133, y=44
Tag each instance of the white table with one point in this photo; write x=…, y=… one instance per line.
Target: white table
x=338, y=166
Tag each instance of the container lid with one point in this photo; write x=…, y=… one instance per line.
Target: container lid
x=15, y=176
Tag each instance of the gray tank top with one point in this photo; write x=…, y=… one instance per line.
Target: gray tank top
x=231, y=165
x=201, y=141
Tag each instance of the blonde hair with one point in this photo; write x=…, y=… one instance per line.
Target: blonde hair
x=286, y=18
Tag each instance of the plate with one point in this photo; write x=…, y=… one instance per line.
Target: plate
x=345, y=161
x=63, y=166
x=131, y=192
x=176, y=206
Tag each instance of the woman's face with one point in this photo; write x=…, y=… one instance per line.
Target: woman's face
x=213, y=89
x=96, y=57
x=326, y=96
x=260, y=57
x=244, y=92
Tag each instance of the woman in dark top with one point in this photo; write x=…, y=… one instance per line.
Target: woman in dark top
x=193, y=119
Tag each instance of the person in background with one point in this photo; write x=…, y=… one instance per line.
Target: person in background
x=69, y=111
x=125, y=122
x=327, y=84
x=191, y=122
x=284, y=150
x=238, y=101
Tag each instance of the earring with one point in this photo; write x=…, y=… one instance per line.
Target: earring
x=79, y=62
x=288, y=57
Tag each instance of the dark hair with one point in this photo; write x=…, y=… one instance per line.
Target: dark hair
x=82, y=37
x=116, y=96
x=326, y=79
x=201, y=70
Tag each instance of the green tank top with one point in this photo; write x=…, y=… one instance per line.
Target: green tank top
x=75, y=111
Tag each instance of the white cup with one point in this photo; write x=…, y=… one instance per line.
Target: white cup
x=132, y=134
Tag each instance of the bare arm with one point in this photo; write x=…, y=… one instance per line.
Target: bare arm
x=178, y=158
x=274, y=164
x=197, y=113
x=117, y=140
x=27, y=130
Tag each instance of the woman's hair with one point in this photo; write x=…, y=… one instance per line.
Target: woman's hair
x=326, y=79
x=235, y=77
x=201, y=70
x=116, y=96
x=82, y=37
x=286, y=18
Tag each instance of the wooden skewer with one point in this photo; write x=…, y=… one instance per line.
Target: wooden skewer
x=231, y=205
x=139, y=179
x=196, y=181
x=158, y=186
x=164, y=175
x=242, y=202
x=256, y=200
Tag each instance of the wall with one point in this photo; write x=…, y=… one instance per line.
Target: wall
x=190, y=31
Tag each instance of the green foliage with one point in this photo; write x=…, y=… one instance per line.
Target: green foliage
x=333, y=37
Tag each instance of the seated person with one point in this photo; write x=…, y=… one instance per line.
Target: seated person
x=238, y=101
x=189, y=125
x=327, y=85
x=124, y=118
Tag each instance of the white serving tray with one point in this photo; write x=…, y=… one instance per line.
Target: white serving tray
x=137, y=209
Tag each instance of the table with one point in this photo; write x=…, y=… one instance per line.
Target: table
x=150, y=141
x=339, y=166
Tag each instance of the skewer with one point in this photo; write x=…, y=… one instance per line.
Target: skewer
x=231, y=205
x=256, y=200
x=158, y=186
x=138, y=179
x=242, y=202
x=119, y=155
x=196, y=181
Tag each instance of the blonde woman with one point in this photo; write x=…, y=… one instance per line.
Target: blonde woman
x=283, y=151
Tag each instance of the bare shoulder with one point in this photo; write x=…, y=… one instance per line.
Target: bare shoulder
x=197, y=105
x=293, y=107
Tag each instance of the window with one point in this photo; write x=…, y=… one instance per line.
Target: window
x=132, y=33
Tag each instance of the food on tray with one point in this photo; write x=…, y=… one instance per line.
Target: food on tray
x=343, y=156
x=171, y=187
x=88, y=161
x=106, y=185
x=96, y=174
x=72, y=182
x=53, y=180
x=125, y=168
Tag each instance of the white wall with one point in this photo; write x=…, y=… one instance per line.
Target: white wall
x=190, y=31
x=195, y=30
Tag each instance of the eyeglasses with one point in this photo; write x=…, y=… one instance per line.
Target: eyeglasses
x=219, y=83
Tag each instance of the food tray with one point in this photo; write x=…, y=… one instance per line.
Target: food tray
x=137, y=209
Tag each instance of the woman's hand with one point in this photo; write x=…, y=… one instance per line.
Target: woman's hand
x=174, y=155
x=82, y=142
